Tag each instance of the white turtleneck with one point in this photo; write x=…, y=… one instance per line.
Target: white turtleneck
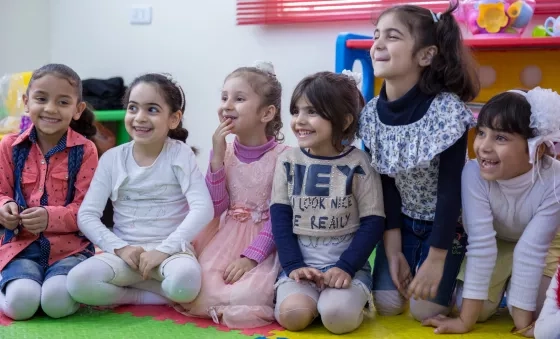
x=518, y=210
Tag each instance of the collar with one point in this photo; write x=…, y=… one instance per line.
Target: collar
x=73, y=138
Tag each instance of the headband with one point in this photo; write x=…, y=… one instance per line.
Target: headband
x=176, y=84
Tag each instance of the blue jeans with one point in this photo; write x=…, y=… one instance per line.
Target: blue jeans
x=26, y=266
x=415, y=235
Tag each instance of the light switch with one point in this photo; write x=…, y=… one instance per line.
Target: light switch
x=141, y=15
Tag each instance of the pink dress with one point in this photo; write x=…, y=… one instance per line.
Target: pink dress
x=248, y=302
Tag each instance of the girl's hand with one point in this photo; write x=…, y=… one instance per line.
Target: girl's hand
x=150, y=260
x=308, y=273
x=426, y=282
x=130, y=255
x=337, y=278
x=400, y=272
x=35, y=219
x=237, y=269
x=219, y=143
x=9, y=216
x=523, y=319
x=445, y=325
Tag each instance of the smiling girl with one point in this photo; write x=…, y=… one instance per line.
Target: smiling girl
x=239, y=263
x=416, y=133
x=160, y=204
x=44, y=174
x=511, y=210
x=327, y=210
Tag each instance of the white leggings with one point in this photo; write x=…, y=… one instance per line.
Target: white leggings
x=107, y=280
x=24, y=296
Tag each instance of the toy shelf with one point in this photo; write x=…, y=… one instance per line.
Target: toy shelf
x=352, y=47
x=484, y=43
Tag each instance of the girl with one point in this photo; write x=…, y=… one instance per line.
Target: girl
x=239, y=263
x=327, y=210
x=548, y=323
x=416, y=132
x=160, y=204
x=45, y=173
x=511, y=210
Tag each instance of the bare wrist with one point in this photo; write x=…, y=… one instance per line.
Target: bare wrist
x=521, y=318
x=437, y=254
x=470, y=310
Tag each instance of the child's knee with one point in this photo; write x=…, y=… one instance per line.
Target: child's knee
x=389, y=302
x=296, y=312
x=79, y=281
x=23, y=297
x=423, y=309
x=182, y=284
x=56, y=302
x=341, y=310
x=339, y=319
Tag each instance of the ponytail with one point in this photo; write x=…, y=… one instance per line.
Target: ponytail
x=85, y=125
x=452, y=68
x=180, y=133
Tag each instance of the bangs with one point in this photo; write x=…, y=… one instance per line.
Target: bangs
x=497, y=121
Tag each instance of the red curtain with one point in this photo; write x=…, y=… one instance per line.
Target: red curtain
x=271, y=12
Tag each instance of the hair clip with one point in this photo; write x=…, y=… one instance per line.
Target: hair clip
x=357, y=77
x=436, y=17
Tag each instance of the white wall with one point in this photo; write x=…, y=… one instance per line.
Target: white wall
x=24, y=35
x=197, y=41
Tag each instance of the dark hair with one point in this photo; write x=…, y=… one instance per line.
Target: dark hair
x=507, y=112
x=173, y=95
x=267, y=86
x=334, y=97
x=85, y=125
x=452, y=68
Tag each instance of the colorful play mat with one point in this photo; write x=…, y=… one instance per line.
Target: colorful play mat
x=147, y=322
x=152, y=322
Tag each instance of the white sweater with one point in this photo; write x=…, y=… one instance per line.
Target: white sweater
x=162, y=206
x=548, y=324
x=517, y=210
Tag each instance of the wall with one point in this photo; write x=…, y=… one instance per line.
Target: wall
x=197, y=41
x=24, y=35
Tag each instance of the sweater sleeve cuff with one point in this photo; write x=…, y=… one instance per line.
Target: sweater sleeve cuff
x=116, y=245
x=346, y=268
x=254, y=254
x=215, y=177
x=4, y=201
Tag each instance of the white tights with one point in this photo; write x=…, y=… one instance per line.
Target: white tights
x=24, y=296
x=95, y=282
x=298, y=304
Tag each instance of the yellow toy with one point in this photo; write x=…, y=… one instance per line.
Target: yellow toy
x=492, y=17
x=12, y=87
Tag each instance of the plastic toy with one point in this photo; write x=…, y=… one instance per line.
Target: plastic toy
x=493, y=17
x=539, y=32
x=12, y=87
x=552, y=26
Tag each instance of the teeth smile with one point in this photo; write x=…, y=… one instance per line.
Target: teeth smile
x=303, y=133
x=142, y=129
x=52, y=120
x=488, y=163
